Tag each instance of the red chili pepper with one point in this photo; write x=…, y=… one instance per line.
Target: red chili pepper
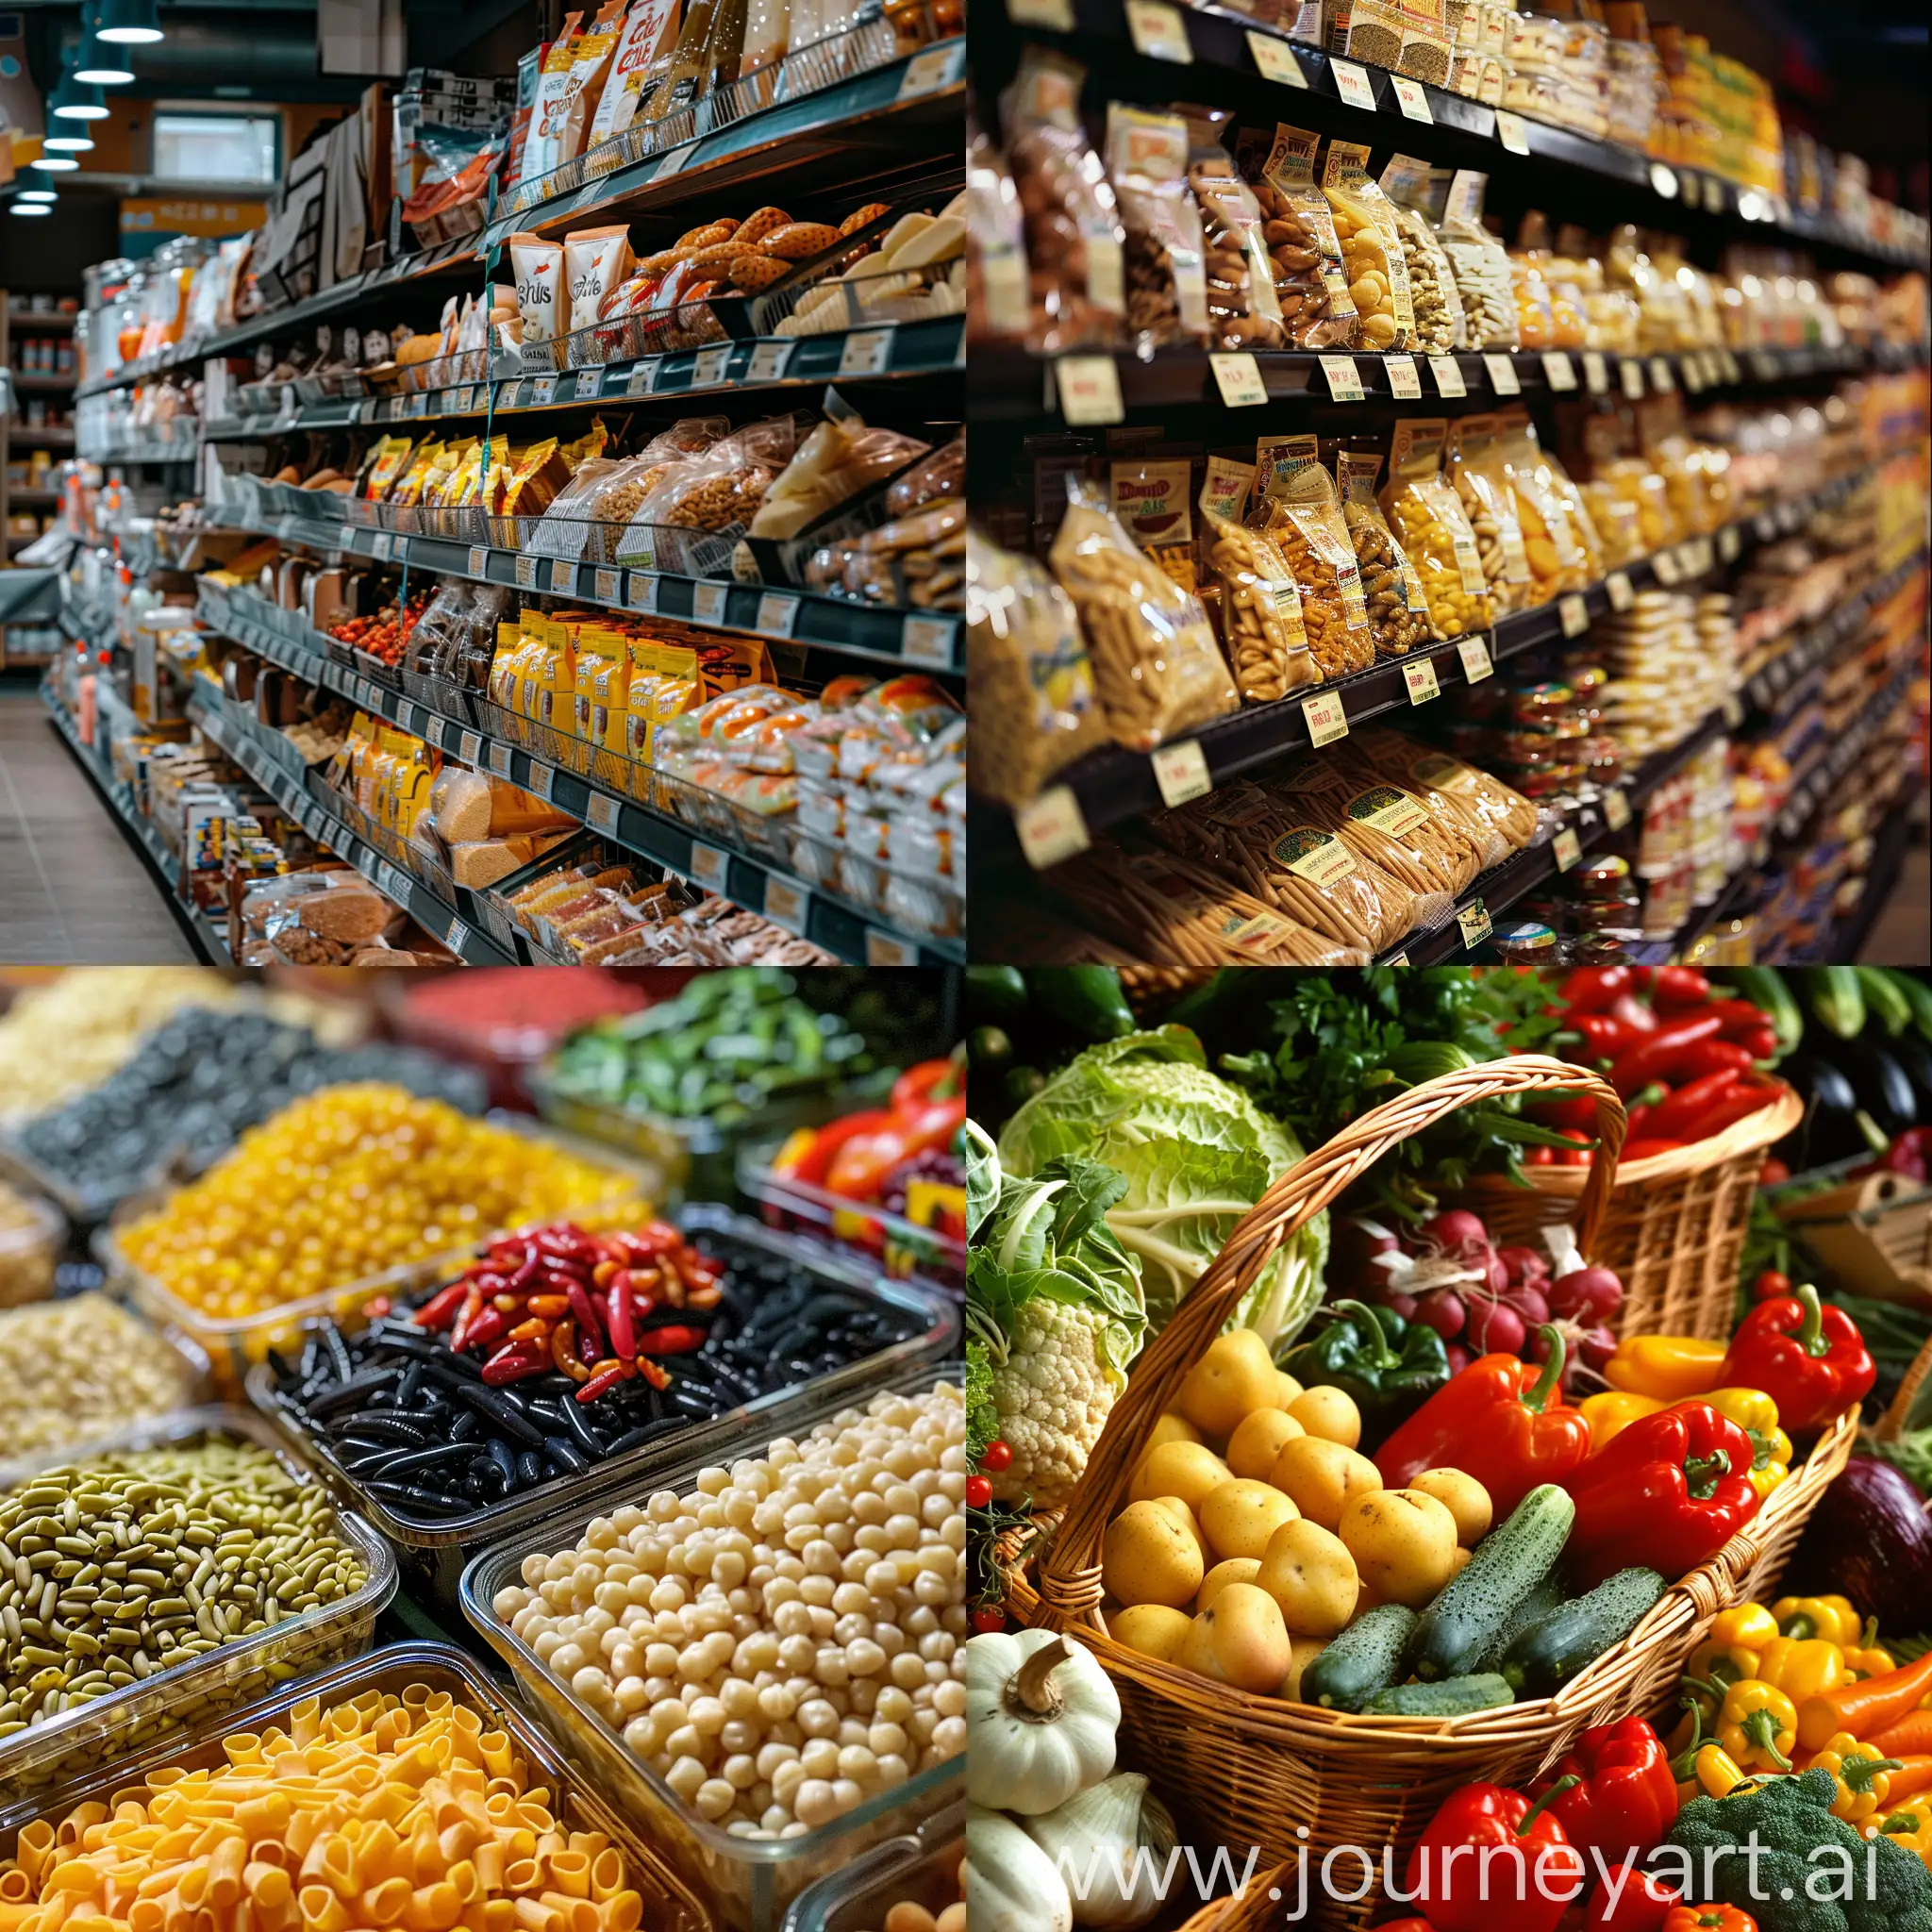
x=1592, y=989
x=553, y=1308
x=514, y=1362
x=1717, y=1056
x=489, y=1328
x=1748, y=1097
x=1772, y=1285
x=1656, y=1056
x=607, y=1375
x=1643, y=1150
x=589, y=1323
x=473, y=1306
x=442, y=1308
x=1810, y=1361
x=1576, y=1110
x=1670, y=1120
x=1602, y=1035
x=1739, y=1016
x=1633, y=1126
x=929, y=1080
x=567, y=1241
x=1773, y=1174
x=1760, y=1042
x=1631, y=1901
x=624, y=1341
x=655, y=1374
x=673, y=1339
x=563, y=1350
x=1635, y=1013
x=1678, y=985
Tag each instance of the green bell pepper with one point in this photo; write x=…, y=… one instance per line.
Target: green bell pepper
x=1386, y=1366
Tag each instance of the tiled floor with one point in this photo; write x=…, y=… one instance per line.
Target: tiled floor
x=73, y=890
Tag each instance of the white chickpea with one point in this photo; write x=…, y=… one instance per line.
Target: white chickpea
x=949, y=1737
x=820, y=1759
x=893, y=1769
x=816, y=1803
x=684, y=1777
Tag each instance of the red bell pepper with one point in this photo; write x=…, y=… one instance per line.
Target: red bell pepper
x=1715, y=1057
x=1671, y=1118
x=1665, y=1493
x=1810, y=1361
x=1504, y=1420
x=1592, y=989
x=928, y=1080
x=1631, y=1901
x=812, y=1159
x=1524, y=1891
x=1658, y=1055
x=1709, y=1919
x=1625, y=1798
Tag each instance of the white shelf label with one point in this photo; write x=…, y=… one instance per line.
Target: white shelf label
x=1158, y=31
x=527, y=572
x=1403, y=380
x=1630, y=372
x=1691, y=369
x=499, y=757
x=1660, y=377
x=601, y=813
x=1239, y=378
x=927, y=641
x=563, y=577
x=1665, y=565
x=1557, y=371
x=1412, y=99
x=1663, y=181
x=644, y=377
x=708, y=372
x=479, y=559
x=644, y=590
x=777, y=613
x=510, y=396
x=1616, y=809
x=1573, y=612
x=1090, y=388
x=457, y=938
x=1181, y=772
x=1734, y=712
x=767, y=360
x=866, y=352
x=708, y=866
x=589, y=383
x=379, y=546
x=1568, y=848
x=1419, y=675
x=419, y=402
x=1596, y=372
x=542, y=779
x=1502, y=374
x=1344, y=379
x=394, y=880
x=608, y=586
x=707, y=601
x=470, y=749
x=1353, y=84
x=542, y=390
x=1474, y=921
x=1051, y=828
x=888, y=949
x=786, y=904
x=1622, y=595
x=1276, y=60
x=1728, y=544
x=1512, y=133
x=1448, y=375
x=1327, y=719
x=1474, y=654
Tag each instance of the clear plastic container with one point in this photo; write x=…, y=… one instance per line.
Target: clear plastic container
x=669, y=1904
x=748, y=1882
x=82, y=1206
x=437, y=1553
x=234, y=1344
x=189, y=1695
x=922, y=1867
x=32, y=1233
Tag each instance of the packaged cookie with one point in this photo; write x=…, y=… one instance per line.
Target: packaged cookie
x=1076, y=285
x=1480, y=265
x=1155, y=663
x=1304, y=255
x=1473, y=464
x=1261, y=611
x=1300, y=510
x=1242, y=309
x=1398, y=611
x=1436, y=542
x=1440, y=324
x=1372, y=257
x=1166, y=279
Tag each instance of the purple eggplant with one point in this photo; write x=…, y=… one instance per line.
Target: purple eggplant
x=1869, y=1540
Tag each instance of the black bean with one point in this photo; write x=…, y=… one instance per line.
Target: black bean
x=430, y=1501
x=338, y=1352
x=411, y=1382
x=312, y=1357
x=529, y=1469
x=569, y=1459
x=466, y=1428
x=412, y=1460
x=352, y=1391
x=504, y=1411
x=383, y=1427
x=499, y=1457
x=577, y=1422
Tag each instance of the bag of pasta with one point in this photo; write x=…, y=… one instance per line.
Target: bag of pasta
x=1480, y=264
x=1435, y=538
x=1300, y=510
x=1474, y=466
x=1551, y=545
x=1372, y=253
x=1167, y=288
x=1261, y=610
x=1440, y=324
x=1292, y=863
x=1028, y=683
x=1501, y=819
x=1398, y=612
x=1242, y=309
x=1558, y=480
x=1304, y=256
x=1154, y=664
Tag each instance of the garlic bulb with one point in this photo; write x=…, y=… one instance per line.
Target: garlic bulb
x=1111, y=1844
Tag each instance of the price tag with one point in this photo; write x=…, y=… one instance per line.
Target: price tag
x=1512, y=132
x=419, y=402
x=1622, y=595
x=1276, y=60
x=931, y=70
x=1729, y=363
x=394, y=880
x=601, y=813
x=1403, y=380
x=1616, y=809
x=1728, y=544
x=1502, y=375
x=510, y=396
x=527, y=572
x=1413, y=102
x=1158, y=31
x=777, y=613
x=1448, y=375
x=499, y=757
x=1474, y=654
x=1734, y=712
x=1181, y=772
x=379, y=546
x=1557, y=371
x=1766, y=527
x=470, y=748
x=673, y=163
x=1631, y=372
x=542, y=779
x=1665, y=565
x=1691, y=369
x=1474, y=923
x=1397, y=959
x=1573, y=612
x=927, y=641
x=643, y=377
x=563, y=577
x=457, y=938
x=1660, y=377
x=608, y=586
x=1353, y=84
x=1051, y=828
x=1568, y=848
x=708, y=372
x=644, y=590
x=1596, y=372
x=767, y=360
x=1090, y=388
x=708, y=866
x=1344, y=379
x=708, y=602
x=1663, y=181
x=786, y=903
x=542, y=390
x=1055, y=16
x=589, y=383
x=1239, y=378
x=1326, y=720
x=479, y=559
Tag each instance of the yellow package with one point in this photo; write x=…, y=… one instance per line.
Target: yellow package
x=1372, y=256
x=596, y=646
x=638, y=699
x=386, y=461
x=1398, y=612
x=609, y=719
x=1551, y=544
x=1301, y=512
x=1474, y=468
x=1435, y=538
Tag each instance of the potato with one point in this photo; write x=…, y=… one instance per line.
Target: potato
x=1187, y=1469
x=1460, y=1561
x=1236, y=1376
x=1238, y=1517
x=1329, y=1414
x=1153, y=1629
x=1321, y=1476
x=1462, y=1496
x=1239, y=1641
x=1286, y=1389
x=1403, y=1542
x=1232, y=1570
x=1147, y=1556
x=1312, y=1579
x=1185, y=1516
x=1171, y=1427
x=1302, y=1652
x=1255, y=1443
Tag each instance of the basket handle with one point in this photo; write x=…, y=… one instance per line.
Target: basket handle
x=1070, y=1575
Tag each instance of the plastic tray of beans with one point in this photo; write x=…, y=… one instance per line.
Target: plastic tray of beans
x=795, y=1327
x=419, y=1692
x=342, y=1563
x=233, y=1342
x=920, y=1869
x=878, y=1693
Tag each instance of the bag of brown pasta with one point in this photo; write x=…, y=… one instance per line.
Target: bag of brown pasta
x=1173, y=912
x=1398, y=612
x=1261, y=611
x=1305, y=258
x=1154, y=664
x=1292, y=863
x=1300, y=511
x=1372, y=256
x=1473, y=464
x=1436, y=542
x=1503, y=820
x=1242, y=309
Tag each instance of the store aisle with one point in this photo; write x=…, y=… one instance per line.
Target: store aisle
x=72, y=889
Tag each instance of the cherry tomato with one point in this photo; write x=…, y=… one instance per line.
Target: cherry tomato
x=1770, y=1286
x=988, y=1617
x=978, y=1493
x=1773, y=1173
x=998, y=1456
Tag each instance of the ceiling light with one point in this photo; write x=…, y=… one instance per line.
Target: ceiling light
x=75, y=142
x=54, y=165
x=38, y=195
x=29, y=208
x=129, y=22
x=97, y=63
x=72, y=101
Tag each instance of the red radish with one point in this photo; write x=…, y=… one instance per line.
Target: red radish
x=1355, y=1245
x=1528, y=1301
x=1590, y=1295
x=1497, y=1328
x=1443, y=1309
x=1455, y=1231
x=1396, y=1302
x=1524, y=1264
x=1497, y=1275
x=1459, y=1357
x=1599, y=1345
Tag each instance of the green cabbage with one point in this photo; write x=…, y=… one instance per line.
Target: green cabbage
x=1196, y=1153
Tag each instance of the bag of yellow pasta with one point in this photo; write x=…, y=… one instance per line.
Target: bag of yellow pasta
x=1372, y=256
x=1435, y=535
x=1300, y=510
x=1398, y=612
x=1474, y=466
x=1551, y=544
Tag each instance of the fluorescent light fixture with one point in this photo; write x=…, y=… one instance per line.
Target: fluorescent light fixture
x=72, y=101
x=38, y=195
x=130, y=23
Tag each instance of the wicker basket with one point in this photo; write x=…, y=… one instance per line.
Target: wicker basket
x=1265, y=1772
x=1674, y=1228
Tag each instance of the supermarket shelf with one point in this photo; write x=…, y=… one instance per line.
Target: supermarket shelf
x=909, y=349
x=1215, y=38
x=434, y=915
x=41, y=318
x=1810, y=793
x=24, y=381
x=754, y=883
x=140, y=451
x=1111, y=787
x=1737, y=893
x=911, y=639
x=1774, y=686
x=1889, y=845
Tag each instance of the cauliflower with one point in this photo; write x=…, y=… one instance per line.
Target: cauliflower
x=1052, y=1393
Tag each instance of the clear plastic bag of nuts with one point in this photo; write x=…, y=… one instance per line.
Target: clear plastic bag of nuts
x=1439, y=323
x=1243, y=311
x=1372, y=257
x=1429, y=522
x=1304, y=255
x=1300, y=510
x=1166, y=280
x=1398, y=612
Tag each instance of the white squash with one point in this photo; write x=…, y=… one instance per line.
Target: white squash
x=1011, y=1883
x=1040, y=1718
x=1096, y=1840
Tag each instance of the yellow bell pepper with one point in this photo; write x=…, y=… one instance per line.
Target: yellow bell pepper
x=1756, y=1413
x=1802, y=1667
x=1736, y=1638
x=1829, y=1617
x=1612, y=1412
x=1865, y=1658
x=1671, y=1367
x=1910, y=1829
x=1758, y=1725
x=1718, y=1772
x=1863, y=1777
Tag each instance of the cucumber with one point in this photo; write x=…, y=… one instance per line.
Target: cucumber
x=1916, y=995
x=1837, y=999
x=1462, y=1622
x=1534, y=1605
x=1554, y=1649
x=1361, y=1661
x=1452, y=1697
x=1771, y=992
x=1883, y=1000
